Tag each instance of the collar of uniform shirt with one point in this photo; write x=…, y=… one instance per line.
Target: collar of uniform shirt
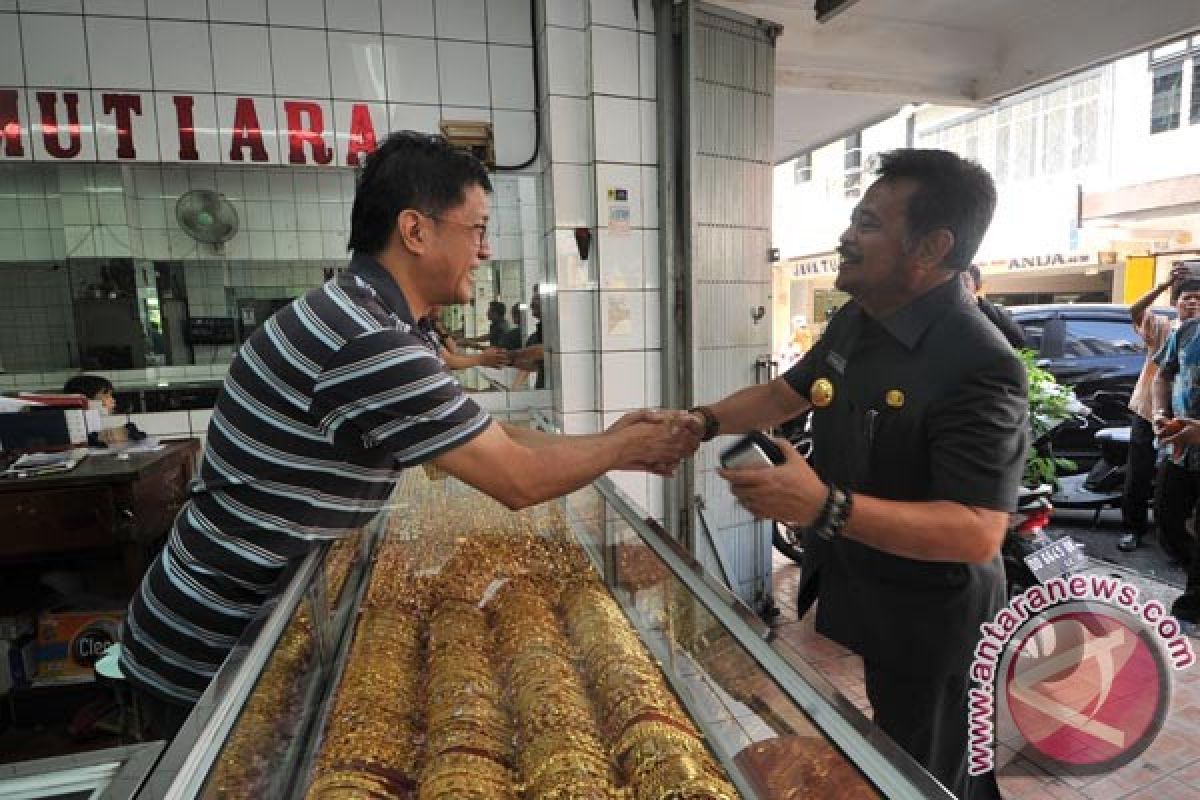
x=907, y=325
x=371, y=271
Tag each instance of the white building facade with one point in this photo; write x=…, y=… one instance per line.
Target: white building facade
x=1091, y=170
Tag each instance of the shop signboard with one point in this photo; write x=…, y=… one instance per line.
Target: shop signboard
x=128, y=126
x=816, y=265
x=1067, y=261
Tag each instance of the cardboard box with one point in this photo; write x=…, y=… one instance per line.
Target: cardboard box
x=69, y=643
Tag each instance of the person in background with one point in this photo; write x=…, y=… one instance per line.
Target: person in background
x=455, y=357
x=99, y=392
x=532, y=357
x=972, y=278
x=497, y=326
x=1143, y=455
x=512, y=339
x=326, y=404
x=920, y=420
x=1176, y=422
x=97, y=389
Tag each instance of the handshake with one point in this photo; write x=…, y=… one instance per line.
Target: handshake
x=655, y=441
x=526, y=359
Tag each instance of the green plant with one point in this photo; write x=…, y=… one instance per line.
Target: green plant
x=1050, y=403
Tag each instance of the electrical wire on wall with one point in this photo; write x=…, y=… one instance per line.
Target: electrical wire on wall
x=537, y=97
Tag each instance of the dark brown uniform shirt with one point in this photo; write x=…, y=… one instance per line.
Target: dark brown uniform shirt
x=929, y=403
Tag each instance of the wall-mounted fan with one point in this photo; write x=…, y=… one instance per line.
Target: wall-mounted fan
x=207, y=217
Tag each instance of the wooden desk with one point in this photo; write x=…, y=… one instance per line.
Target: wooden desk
x=104, y=503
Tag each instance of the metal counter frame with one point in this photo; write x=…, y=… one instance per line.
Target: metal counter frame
x=188, y=761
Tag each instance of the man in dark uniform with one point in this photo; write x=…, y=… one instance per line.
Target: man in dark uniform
x=919, y=444
x=972, y=278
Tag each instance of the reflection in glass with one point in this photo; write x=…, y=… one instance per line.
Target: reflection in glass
x=96, y=274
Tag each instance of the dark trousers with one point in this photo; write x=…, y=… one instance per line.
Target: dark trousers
x=928, y=718
x=160, y=719
x=1139, y=477
x=1174, y=501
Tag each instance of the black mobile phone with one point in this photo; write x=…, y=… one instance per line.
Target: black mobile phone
x=755, y=449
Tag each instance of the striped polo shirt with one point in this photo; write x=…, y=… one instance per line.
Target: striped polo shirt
x=321, y=409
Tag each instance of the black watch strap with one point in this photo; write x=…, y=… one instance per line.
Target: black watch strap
x=711, y=426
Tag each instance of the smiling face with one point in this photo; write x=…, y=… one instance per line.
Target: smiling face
x=874, y=248
x=460, y=245
x=1188, y=305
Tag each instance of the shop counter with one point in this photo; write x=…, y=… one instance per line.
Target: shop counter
x=435, y=651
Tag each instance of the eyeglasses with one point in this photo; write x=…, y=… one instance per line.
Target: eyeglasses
x=480, y=228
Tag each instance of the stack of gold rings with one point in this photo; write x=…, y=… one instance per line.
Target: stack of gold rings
x=561, y=754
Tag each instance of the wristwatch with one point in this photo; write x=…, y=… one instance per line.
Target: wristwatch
x=711, y=425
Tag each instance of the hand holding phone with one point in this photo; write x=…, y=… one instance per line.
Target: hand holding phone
x=755, y=449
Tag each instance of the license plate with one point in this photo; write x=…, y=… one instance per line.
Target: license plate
x=1057, y=559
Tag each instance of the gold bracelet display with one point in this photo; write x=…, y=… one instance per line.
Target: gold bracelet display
x=490, y=663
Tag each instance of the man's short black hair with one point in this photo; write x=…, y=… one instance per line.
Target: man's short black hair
x=951, y=193
x=87, y=385
x=1177, y=289
x=410, y=170
x=497, y=307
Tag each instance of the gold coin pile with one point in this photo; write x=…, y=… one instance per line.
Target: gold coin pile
x=372, y=736
x=659, y=750
x=561, y=755
x=469, y=740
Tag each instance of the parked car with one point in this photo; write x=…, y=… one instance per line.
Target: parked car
x=1094, y=348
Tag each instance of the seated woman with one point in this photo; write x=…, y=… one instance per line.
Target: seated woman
x=99, y=392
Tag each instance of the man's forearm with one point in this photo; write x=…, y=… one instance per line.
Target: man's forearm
x=531, y=437
x=1161, y=394
x=933, y=531
x=757, y=407
x=520, y=475
x=1138, y=309
x=565, y=465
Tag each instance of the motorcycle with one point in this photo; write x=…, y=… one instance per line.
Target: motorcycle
x=1103, y=484
x=788, y=540
x=1025, y=535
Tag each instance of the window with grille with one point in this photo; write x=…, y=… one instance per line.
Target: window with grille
x=1194, y=112
x=803, y=168
x=852, y=161
x=1166, y=97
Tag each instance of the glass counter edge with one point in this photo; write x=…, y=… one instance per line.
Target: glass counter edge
x=892, y=770
x=185, y=766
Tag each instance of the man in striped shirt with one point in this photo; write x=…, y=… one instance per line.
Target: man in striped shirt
x=323, y=407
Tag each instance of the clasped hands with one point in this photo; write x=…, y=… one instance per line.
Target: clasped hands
x=658, y=440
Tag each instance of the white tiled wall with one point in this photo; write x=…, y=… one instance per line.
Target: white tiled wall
x=454, y=59
x=98, y=210
x=600, y=131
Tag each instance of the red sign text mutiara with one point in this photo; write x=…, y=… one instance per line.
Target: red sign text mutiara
x=85, y=125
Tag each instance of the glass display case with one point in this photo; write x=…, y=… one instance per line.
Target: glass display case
x=469, y=651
